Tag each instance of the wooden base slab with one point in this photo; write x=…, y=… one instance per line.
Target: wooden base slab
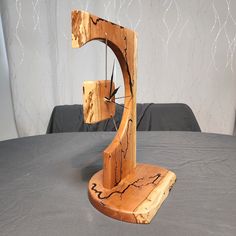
x=136, y=198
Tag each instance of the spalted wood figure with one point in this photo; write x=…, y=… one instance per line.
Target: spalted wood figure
x=123, y=190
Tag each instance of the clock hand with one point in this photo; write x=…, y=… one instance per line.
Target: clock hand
x=122, y=97
x=112, y=79
x=106, y=99
x=114, y=93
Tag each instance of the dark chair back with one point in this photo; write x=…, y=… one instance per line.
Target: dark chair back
x=150, y=117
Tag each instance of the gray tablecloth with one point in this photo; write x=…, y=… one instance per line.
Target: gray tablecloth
x=43, y=184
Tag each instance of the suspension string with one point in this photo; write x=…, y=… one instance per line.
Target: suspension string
x=123, y=97
x=106, y=58
x=114, y=63
x=114, y=122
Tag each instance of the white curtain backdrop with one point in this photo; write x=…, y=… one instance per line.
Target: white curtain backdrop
x=186, y=53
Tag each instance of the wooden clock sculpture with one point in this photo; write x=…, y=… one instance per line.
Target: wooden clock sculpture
x=125, y=190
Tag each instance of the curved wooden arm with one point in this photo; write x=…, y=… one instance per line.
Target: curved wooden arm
x=120, y=155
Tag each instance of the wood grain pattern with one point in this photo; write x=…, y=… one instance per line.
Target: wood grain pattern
x=137, y=198
x=121, y=190
x=95, y=107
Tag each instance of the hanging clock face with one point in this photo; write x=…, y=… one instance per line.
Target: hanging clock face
x=98, y=104
x=99, y=99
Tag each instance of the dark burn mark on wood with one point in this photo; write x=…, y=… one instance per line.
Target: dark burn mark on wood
x=124, y=152
x=95, y=22
x=134, y=184
x=155, y=178
x=123, y=155
x=170, y=188
x=127, y=66
x=136, y=220
x=99, y=193
x=116, y=173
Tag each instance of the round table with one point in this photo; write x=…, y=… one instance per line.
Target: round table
x=43, y=184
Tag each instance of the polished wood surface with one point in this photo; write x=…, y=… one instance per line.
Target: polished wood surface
x=95, y=107
x=121, y=190
x=137, y=197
